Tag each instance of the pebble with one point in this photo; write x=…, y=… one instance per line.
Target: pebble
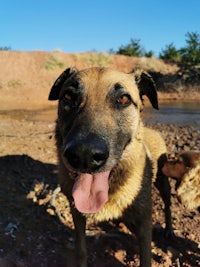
x=179, y=138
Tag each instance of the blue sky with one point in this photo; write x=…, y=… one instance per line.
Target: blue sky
x=86, y=25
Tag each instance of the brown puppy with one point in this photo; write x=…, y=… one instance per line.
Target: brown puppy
x=105, y=153
x=186, y=170
x=177, y=168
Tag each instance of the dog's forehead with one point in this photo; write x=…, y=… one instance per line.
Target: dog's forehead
x=104, y=79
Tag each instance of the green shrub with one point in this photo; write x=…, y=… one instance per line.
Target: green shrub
x=53, y=62
x=132, y=49
x=99, y=59
x=95, y=59
x=190, y=54
x=14, y=83
x=5, y=48
x=170, y=53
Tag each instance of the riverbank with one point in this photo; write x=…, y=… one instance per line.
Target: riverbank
x=192, y=96
x=26, y=77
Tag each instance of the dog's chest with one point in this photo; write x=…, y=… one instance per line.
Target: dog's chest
x=123, y=197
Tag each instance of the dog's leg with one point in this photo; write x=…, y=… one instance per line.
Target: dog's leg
x=162, y=184
x=80, y=241
x=144, y=233
x=140, y=223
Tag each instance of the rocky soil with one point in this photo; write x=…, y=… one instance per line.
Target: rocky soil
x=31, y=233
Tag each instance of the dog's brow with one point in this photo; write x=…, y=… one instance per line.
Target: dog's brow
x=73, y=81
x=118, y=86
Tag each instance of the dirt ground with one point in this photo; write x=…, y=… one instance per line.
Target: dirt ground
x=31, y=233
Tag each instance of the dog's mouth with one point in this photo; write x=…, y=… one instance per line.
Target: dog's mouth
x=90, y=191
x=91, y=175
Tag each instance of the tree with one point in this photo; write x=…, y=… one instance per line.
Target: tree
x=149, y=54
x=5, y=48
x=170, y=53
x=133, y=49
x=190, y=54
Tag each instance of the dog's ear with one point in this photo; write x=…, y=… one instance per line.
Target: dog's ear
x=55, y=89
x=146, y=86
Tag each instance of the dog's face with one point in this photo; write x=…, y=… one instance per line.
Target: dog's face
x=98, y=116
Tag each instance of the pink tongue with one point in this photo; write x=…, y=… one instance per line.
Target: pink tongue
x=90, y=192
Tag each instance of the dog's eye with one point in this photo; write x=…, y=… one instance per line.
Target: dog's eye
x=124, y=100
x=68, y=97
x=71, y=100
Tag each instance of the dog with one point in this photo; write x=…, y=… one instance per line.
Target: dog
x=186, y=171
x=107, y=158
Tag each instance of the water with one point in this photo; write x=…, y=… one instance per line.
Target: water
x=174, y=112
x=178, y=113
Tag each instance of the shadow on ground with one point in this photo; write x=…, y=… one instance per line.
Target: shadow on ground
x=31, y=235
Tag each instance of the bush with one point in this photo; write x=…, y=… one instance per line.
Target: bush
x=170, y=53
x=149, y=54
x=132, y=49
x=5, y=48
x=190, y=54
x=53, y=62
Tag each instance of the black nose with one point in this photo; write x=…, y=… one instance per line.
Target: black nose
x=88, y=154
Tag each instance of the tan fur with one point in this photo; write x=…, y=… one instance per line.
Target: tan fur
x=189, y=189
x=186, y=170
x=157, y=147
